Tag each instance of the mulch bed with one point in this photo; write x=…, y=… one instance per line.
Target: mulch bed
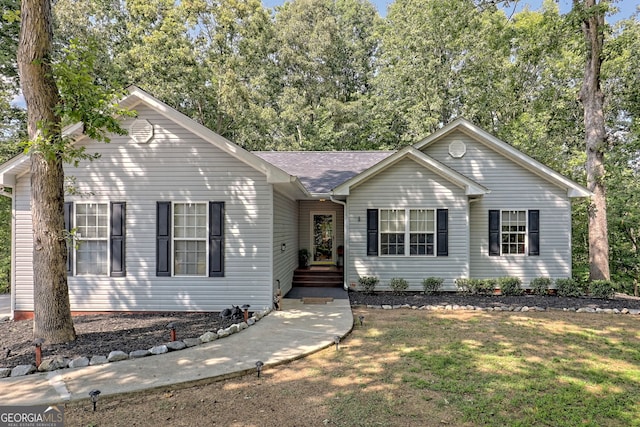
x=101, y=334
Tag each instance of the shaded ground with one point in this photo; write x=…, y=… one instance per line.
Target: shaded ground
x=101, y=334
x=419, y=368
x=98, y=335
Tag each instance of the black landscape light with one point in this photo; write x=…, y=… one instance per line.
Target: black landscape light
x=336, y=340
x=361, y=318
x=259, y=366
x=93, y=394
x=37, y=343
x=172, y=327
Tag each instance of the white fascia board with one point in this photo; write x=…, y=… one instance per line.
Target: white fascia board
x=13, y=168
x=573, y=189
x=274, y=174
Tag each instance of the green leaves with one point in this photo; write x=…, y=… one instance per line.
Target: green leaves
x=82, y=99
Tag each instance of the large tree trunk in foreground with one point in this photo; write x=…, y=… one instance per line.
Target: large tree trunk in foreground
x=52, y=313
x=592, y=100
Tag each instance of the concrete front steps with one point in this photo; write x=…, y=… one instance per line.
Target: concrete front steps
x=318, y=277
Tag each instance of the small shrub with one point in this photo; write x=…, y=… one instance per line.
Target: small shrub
x=569, y=288
x=398, y=285
x=368, y=283
x=510, y=286
x=432, y=284
x=463, y=285
x=604, y=289
x=482, y=286
x=540, y=285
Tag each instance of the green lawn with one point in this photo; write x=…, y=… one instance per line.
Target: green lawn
x=420, y=368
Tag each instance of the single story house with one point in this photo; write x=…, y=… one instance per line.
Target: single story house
x=174, y=217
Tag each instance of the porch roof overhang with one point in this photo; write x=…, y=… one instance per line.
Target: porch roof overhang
x=574, y=190
x=472, y=188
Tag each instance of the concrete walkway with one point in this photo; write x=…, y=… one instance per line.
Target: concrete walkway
x=282, y=336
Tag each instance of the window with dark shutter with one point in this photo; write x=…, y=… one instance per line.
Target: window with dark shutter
x=443, y=232
x=372, y=232
x=494, y=232
x=118, y=231
x=68, y=226
x=163, y=239
x=216, y=239
x=534, y=232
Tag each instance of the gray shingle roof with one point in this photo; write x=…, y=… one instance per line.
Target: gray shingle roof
x=322, y=171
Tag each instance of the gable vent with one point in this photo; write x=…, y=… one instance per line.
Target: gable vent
x=457, y=149
x=141, y=131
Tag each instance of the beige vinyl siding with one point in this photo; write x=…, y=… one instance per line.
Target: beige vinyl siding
x=175, y=165
x=408, y=185
x=512, y=187
x=304, y=226
x=23, y=266
x=285, y=231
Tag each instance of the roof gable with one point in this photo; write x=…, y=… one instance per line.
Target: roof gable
x=471, y=188
x=485, y=138
x=20, y=164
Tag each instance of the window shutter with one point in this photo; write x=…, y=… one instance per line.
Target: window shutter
x=216, y=239
x=494, y=232
x=118, y=231
x=534, y=232
x=442, y=226
x=68, y=226
x=163, y=239
x=372, y=232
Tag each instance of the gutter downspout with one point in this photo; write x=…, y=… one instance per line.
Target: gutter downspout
x=345, y=231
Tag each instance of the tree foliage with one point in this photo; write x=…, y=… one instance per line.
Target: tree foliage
x=333, y=75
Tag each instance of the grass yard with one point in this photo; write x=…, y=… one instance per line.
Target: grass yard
x=419, y=368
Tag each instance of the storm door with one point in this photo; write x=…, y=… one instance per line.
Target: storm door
x=322, y=237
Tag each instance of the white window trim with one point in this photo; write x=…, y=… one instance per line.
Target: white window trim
x=173, y=238
x=407, y=233
x=78, y=241
x=526, y=233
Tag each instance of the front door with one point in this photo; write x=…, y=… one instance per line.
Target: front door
x=322, y=237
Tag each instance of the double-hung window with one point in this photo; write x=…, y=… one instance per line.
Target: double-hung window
x=99, y=234
x=407, y=232
x=514, y=232
x=92, y=237
x=422, y=226
x=190, y=239
x=392, y=231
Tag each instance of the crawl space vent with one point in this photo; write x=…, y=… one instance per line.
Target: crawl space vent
x=141, y=131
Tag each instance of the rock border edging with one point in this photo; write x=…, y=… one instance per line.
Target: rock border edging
x=509, y=308
x=53, y=363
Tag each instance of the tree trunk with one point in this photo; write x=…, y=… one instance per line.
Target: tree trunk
x=52, y=313
x=592, y=100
